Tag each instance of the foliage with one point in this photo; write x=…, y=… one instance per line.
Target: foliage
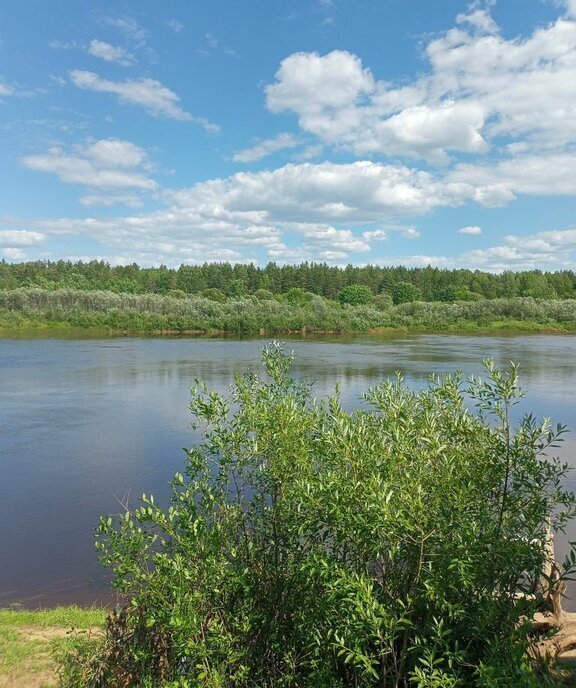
x=263, y=294
x=308, y=546
x=32, y=307
x=214, y=294
x=382, y=302
x=318, y=278
x=405, y=292
x=298, y=297
x=454, y=292
x=235, y=288
x=355, y=295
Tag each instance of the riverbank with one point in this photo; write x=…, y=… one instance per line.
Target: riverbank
x=32, y=641
x=104, y=313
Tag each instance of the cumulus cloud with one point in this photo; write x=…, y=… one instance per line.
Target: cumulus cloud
x=297, y=212
x=570, y=8
x=480, y=19
x=383, y=233
x=326, y=192
x=111, y=53
x=478, y=94
x=266, y=147
x=471, y=230
x=550, y=250
x=107, y=164
x=499, y=183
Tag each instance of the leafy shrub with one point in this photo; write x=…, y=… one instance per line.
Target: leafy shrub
x=355, y=295
x=298, y=296
x=307, y=546
x=382, y=302
x=263, y=295
x=405, y=292
x=214, y=294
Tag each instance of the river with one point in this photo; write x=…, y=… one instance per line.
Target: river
x=88, y=424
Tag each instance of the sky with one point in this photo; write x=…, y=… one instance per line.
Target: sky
x=379, y=132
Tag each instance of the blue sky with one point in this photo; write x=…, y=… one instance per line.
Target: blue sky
x=347, y=131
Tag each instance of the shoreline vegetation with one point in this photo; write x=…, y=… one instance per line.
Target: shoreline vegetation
x=101, y=312
x=310, y=298
x=407, y=543
x=34, y=644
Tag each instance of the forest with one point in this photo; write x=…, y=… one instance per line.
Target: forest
x=218, y=298
x=427, y=284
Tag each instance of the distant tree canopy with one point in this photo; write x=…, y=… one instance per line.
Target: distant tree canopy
x=331, y=282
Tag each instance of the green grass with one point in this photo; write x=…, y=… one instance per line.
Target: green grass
x=31, y=641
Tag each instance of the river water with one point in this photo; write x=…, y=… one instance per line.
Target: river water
x=89, y=424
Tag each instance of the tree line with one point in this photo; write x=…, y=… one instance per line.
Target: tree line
x=219, y=281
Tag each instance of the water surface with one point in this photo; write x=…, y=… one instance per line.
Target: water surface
x=89, y=424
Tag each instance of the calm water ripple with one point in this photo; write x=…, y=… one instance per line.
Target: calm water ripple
x=85, y=422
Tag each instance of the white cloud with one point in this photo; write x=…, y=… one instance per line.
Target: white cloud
x=6, y=90
x=297, y=212
x=108, y=200
x=174, y=25
x=322, y=91
x=480, y=19
x=157, y=99
x=383, y=233
x=309, y=153
x=109, y=164
x=376, y=235
x=116, y=153
x=13, y=254
x=553, y=250
x=18, y=237
x=497, y=184
x=64, y=45
x=550, y=250
x=570, y=8
x=212, y=44
x=326, y=192
x=111, y=53
x=410, y=233
x=266, y=147
x=478, y=94
x=472, y=230
x=129, y=28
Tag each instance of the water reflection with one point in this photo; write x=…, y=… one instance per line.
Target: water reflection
x=85, y=421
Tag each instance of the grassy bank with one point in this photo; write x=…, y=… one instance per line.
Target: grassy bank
x=31, y=641
x=69, y=309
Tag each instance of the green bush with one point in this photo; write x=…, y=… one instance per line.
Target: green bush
x=214, y=294
x=382, y=302
x=405, y=292
x=355, y=295
x=308, y=546
x=298, y=297
x=263, y=295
